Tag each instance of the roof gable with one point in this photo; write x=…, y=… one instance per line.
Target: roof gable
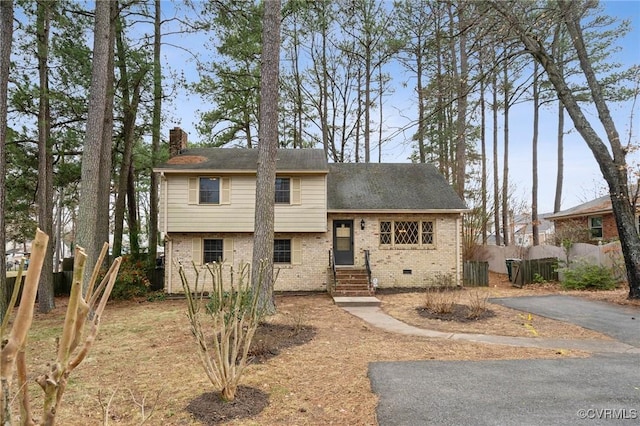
x=385, y=186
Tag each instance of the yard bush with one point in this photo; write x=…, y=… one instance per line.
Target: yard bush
x=441, y=300
x=223, y=323
x=132, y=280
x=582, y=275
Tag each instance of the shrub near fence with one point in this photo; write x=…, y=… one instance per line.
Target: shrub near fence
x=476, y=274
x=529, y=271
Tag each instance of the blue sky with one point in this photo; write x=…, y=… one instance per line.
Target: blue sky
x=582, y=178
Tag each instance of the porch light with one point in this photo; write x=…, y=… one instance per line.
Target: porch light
x=362, y=224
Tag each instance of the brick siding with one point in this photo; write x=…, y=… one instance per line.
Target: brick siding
x=433, y=265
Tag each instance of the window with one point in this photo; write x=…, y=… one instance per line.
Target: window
x=595, y=226
x=282, y=251
x=209, y=190
x=212, y=250
x=407, y=233
x=427, y=232
x=283, y=190
x=385, y=232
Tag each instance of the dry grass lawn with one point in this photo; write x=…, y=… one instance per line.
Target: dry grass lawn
x=144, y=358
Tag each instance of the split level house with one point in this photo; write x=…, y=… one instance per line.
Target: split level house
x=400, y=224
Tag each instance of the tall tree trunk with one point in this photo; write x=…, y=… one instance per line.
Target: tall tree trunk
x=461, y=120
x=421, y=104
x=132, y=213
x=155, y=134
x=557, y=52
x=534, y=159
x=557, y=204
x=496, y=179
x=92, y=156
x=483, y=159
x=380, y=115
x=367, y=103
x=262, y=263
x=130, y=86
x=46, y=300
x=6, y=38
x=104, y=197
x=358, y=117
x=324, y=96
x=505, y=162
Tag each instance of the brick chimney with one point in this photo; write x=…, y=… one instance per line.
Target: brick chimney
x=177, y=141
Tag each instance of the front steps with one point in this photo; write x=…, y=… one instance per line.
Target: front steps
x=352, y=288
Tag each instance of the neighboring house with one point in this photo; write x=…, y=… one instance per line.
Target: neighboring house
x=405, y=216
x=595, y=216
x=523, y=230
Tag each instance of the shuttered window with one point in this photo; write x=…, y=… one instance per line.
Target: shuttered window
x=212, y=250
x=283, y=190
x=209, y=190
x=207, y=250
x=287, y=251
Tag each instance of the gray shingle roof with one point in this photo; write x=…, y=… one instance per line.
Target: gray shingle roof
x=383, y=186
x=241, y=159
x=598, y=206
x=350, y=186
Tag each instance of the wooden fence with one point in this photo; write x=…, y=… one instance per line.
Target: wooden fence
x=535, y=270
x=476, y=274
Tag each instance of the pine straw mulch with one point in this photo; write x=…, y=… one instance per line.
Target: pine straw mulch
x=309, y=366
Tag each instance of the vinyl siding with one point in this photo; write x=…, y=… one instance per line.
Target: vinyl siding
x=237, y=211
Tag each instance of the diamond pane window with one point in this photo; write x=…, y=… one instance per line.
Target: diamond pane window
x=406, y=233
x=427, y=232
x=385, y=232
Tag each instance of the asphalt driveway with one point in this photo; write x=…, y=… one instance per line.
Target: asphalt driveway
x=620, y=322
x=602, y=389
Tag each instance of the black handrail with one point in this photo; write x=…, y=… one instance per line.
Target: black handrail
x=332, y=265
x=367, y=265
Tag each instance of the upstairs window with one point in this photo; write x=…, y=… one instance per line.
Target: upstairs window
x=209, y=190
x=283, y=190
x=595, y=226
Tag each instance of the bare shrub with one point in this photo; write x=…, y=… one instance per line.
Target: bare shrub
x=81, y=324
x=477, y=304
x=441, y=300
x=232, y=315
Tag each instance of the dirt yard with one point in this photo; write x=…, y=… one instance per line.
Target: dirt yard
x=309, y=360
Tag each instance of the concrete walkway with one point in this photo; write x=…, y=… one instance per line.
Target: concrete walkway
x=378, y=318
